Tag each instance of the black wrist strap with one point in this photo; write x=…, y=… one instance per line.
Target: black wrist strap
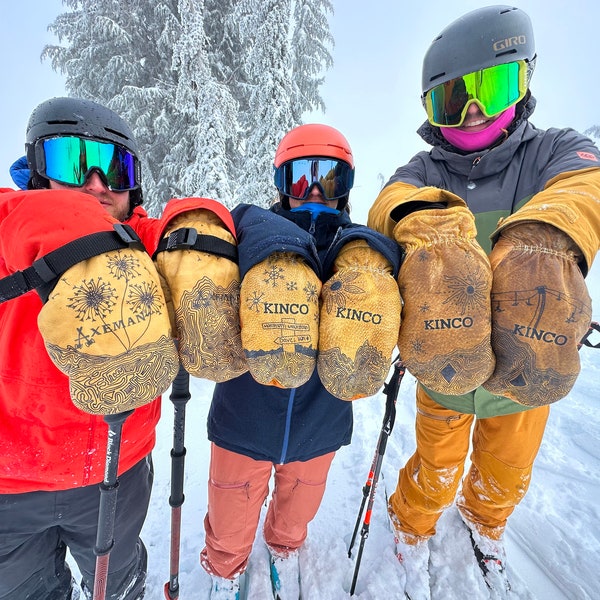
x=187, y=238
x=45, y=270
x=410, y=207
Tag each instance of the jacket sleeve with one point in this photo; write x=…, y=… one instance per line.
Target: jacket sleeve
x=382, y=244
x=411, y=182
x=570, y=202
x=398, y=194
x=32, y=223
x=152, y=230
x=262, y=232
x=569, y=195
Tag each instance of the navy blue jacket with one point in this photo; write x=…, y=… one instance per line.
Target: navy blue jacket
x=267, y=422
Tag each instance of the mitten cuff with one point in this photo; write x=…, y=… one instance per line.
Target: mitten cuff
x=437, y=226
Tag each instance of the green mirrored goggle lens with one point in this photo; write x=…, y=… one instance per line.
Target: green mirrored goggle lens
x=494, y=89
x=69, y=160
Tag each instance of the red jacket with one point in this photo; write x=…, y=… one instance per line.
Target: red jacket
x=46, y=443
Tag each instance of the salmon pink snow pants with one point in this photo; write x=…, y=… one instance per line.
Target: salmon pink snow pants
x=237, y=488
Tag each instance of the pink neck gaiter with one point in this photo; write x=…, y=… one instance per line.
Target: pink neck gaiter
x=477, y=140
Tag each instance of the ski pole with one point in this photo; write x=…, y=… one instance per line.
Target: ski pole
x=180, y=394
x=108, y=503
x=585, y=341
x=391, y=391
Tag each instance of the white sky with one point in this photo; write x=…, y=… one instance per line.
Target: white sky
x=372, y=92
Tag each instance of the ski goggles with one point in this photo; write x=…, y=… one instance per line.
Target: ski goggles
x=333, y=177
x=493, y=89
x=70, y=159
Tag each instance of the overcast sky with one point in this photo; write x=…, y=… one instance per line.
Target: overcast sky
x=372, y=93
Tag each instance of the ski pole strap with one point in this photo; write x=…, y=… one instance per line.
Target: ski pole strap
x=187, y=238
x=44, y=272
x=391, y=389
x=594, y=326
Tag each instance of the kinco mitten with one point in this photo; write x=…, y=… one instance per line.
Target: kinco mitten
x=540, y=310
x=197, y=260
x=360, y=319
x=279, y=317
x=445, y=282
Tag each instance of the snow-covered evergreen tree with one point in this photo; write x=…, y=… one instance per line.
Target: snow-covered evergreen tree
x=310, y=53
x=594, y=133
x=198, y=164
x=226, y=56
x=208, y=86
x=266, y=29
x=119, y=53
x=287, y=39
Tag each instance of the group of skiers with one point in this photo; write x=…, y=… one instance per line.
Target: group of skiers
x=472, y=264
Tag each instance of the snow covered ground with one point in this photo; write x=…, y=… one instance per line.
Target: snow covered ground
x=553, y=538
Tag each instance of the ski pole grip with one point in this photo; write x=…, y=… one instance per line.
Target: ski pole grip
x=106, y=519
x=117, y=419
x=180, y=389
x=177, y=496
x=110, y=485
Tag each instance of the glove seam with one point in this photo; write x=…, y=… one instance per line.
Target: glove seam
x=440, y=239
x=569, y=255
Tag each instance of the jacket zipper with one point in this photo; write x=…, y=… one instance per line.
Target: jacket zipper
x=288, y=422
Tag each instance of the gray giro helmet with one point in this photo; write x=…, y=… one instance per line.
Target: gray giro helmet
x=83, y=118
x=482, y=38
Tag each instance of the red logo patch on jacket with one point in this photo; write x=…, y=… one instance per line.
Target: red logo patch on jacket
x=587, y=156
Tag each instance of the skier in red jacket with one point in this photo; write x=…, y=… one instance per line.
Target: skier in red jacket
x=52, y=454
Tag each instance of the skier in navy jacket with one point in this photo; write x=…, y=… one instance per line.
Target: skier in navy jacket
x=256, y=428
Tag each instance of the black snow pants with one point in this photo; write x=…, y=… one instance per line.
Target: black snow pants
x=37, y=528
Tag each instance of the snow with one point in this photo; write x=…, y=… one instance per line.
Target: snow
x=552, y=539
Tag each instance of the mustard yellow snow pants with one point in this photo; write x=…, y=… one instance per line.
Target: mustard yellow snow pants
x=504, y=449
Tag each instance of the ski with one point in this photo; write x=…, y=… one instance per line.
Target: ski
x=492, y=567
x=285, y=577
x=244, y=585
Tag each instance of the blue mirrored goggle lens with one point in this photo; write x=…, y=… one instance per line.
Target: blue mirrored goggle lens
x=296, y=177
x=68, y=160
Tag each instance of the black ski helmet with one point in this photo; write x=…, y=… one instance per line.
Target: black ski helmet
x=482, y=38
x=84, y=118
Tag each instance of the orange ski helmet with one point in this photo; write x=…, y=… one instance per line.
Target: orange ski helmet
x=313, y=140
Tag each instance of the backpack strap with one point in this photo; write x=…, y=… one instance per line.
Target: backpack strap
x=42, y=274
